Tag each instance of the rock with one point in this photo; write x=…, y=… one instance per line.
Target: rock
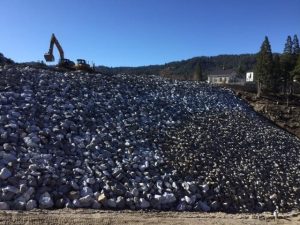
x=76, y=203
x=59, y=203
x=111, y=203
x=23, y=188
x=86, y=201
x=157, y=198
x=214, y=205
x=189, y=187
x=64, y=189
x=74, y=185
x=168, y=198
x=144, y=204
x=181, y=206
x=4, y=206
x=80, y=171
x=73, y=195
x=32, y=181
x=27, y=195
x=205, y=188
x=155, y=202
x=135, y=192
x=45, y=201
x=102, y=198
x=120, y=202
x=90, y=180
x=86, y=191
x=96, y=205
x=202, y=206
x=19, y=204
x=190, y=200
x=31, y=204
x=8, y=196
x=7, y=147
x=8, y=157
x=70, y=205
x=10, y=188
x=5, y=173
x=273, y=196
x=31, y=141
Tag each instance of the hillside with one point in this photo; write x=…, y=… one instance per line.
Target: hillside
x=184, y=70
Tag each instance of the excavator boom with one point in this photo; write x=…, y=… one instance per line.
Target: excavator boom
x=49, y=57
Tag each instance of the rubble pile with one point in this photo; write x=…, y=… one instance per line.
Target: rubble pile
x=4, y=60
x=79, y=140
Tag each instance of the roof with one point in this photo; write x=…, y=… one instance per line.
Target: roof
x=221, y=72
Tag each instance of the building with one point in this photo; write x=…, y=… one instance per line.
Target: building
x=249, y=76
x=228, y=76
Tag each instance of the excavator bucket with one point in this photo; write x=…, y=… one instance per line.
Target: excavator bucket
x=49, y=57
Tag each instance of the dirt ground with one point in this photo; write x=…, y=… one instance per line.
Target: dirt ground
x=93, y=217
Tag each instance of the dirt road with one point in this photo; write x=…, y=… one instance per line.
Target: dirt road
x=92, y=217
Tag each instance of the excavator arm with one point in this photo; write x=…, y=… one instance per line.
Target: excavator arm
x=49, y=57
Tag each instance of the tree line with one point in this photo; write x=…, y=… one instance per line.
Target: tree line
x=196, y=68
x=277, y=73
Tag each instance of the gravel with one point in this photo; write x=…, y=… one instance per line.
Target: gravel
x=79, y=140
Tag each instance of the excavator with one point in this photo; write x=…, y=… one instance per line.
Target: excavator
x=63, y=62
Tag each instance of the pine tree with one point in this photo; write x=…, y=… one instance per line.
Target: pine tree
x=277, y=74
x=296, y=71
x=241, y=71
x=288, y=48
x=264, y=67
x=296, y=52
x=198, y=72
x=296, y=48
x=287, y=65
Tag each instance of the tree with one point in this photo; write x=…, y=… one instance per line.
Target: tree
x=287, y=65
x=277, y=73
x=288, y=47
x=296, y=54
x=296, y=48
x=241, y=71
x=296, y=71
x=198, y=72
x=264, y=67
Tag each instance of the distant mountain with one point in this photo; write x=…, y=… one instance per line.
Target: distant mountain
x=184, y=70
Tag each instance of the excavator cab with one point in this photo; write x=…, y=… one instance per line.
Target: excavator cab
x=66, y=63
x=81, y=62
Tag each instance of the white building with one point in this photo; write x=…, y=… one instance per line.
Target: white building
x=228, y=76
x=221, y=76
x=218, y=79
x=249, y=76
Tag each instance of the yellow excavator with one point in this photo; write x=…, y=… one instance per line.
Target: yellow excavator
x=63, y=62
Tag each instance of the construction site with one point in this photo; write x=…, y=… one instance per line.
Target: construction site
x=77, y=139
x=99, y=126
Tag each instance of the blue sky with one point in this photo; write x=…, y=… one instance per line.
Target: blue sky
x=143, y=32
